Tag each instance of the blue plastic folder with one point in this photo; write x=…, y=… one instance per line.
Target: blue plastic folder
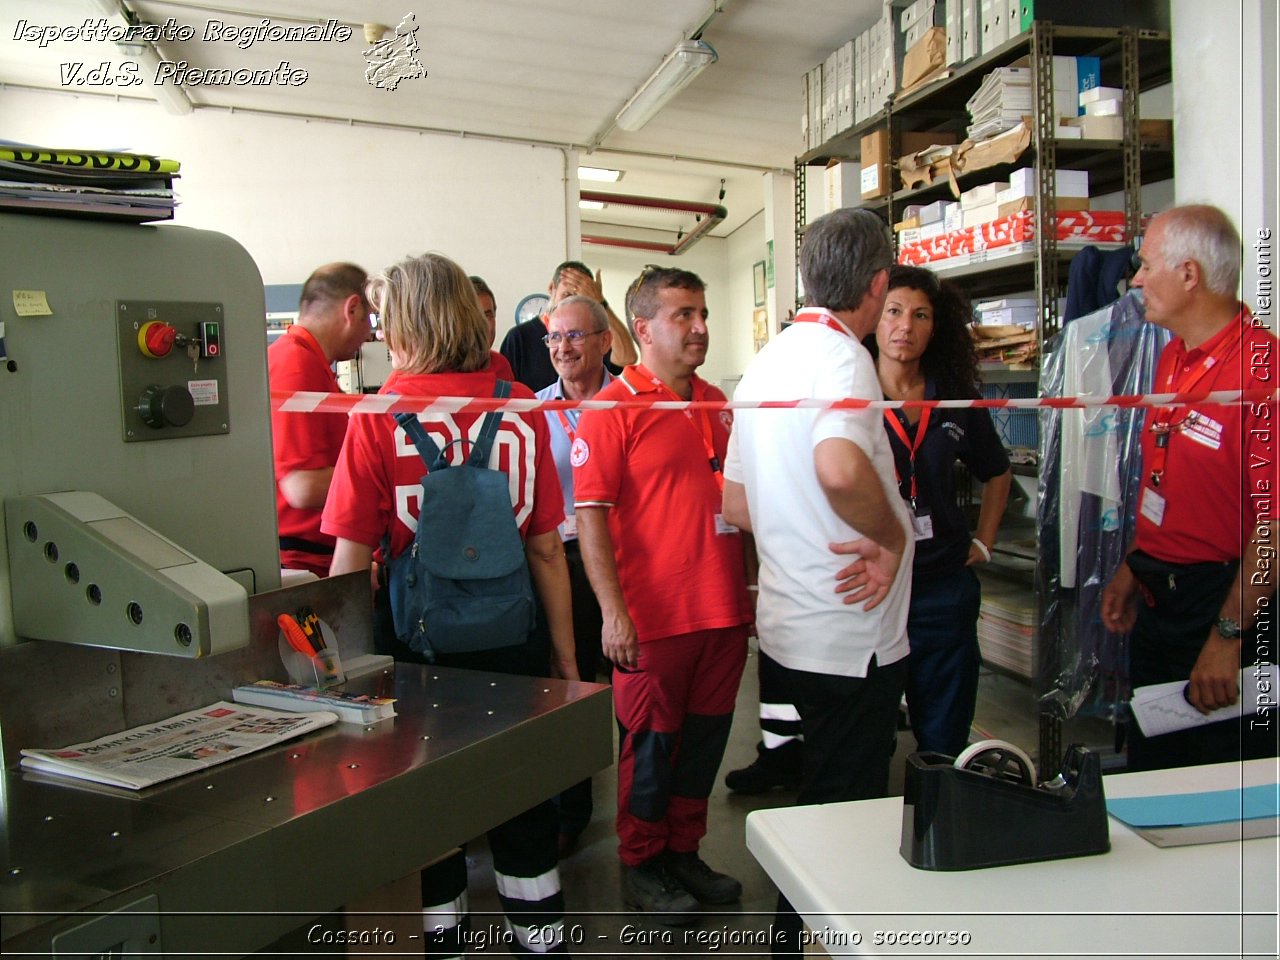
x=1194, y=809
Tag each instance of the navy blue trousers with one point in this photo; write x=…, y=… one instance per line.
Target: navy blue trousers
x=942, y=672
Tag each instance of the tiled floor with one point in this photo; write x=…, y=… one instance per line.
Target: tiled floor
x=591, y=876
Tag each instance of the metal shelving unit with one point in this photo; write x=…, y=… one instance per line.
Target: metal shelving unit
x=1134, y=59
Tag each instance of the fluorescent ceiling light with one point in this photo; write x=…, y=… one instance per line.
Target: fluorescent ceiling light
x=685, y=62
x=603, y=174
x=591, y=205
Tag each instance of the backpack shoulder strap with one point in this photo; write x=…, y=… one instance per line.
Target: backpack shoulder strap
x=489, y=430
x=427, y=449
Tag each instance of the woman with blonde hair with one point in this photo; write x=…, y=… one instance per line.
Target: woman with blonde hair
x=439, y=344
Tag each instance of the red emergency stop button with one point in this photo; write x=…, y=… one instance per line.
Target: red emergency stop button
x=155, y=339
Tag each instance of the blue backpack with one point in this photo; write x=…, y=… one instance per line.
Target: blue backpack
x=463, y=585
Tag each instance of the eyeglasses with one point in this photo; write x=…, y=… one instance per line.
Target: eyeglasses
x=573, y=336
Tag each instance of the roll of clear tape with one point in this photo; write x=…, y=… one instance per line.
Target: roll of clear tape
x=1000, y=759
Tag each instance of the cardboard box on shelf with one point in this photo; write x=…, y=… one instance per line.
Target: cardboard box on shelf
x=971, y=20
x=1009, y=207
x=1094, y=94
x=935, y=212
x=829, y=87
x=914, y=141
x=982, y=193
x=1064, y=132
x=980, y=213
x=844, y=87
x=907, y=237
x=1067, y=183
x=994, y=31
x=954, y=217
x=910, y=223
x=875, y=164
x=1156, y=132
x=815, y=106
x=844, y=183
x=925, y=60
x=1104, y=108
x=955, y=31
x=928, y=231
x=1099, y=128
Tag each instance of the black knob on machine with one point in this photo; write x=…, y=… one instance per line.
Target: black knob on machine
x=166, y=406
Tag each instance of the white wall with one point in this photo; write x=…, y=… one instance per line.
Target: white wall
x=297, y=194
x=1224, y=119
x=746, y=247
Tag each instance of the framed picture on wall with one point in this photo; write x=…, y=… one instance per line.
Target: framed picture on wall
x=759, y=328
x=757, y=277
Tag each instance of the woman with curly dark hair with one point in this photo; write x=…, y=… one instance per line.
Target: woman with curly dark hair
x=924, y=351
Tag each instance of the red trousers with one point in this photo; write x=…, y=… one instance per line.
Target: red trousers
x=674, y=711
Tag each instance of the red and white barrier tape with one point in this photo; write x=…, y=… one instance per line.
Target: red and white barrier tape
x=311, y=402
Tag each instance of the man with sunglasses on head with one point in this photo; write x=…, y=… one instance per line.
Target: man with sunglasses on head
x=523, y=344
x=670, y=576
x=333, y=322
x=577, y=339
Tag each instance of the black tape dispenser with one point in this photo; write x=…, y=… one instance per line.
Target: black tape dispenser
x=984, y=808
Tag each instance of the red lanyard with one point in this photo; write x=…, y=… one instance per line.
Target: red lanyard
x=703, y=426
x=568, y=427
x=822, y=316
x=1169, y=379
x=912, y=446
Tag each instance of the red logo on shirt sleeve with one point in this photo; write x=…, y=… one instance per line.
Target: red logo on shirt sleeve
x=579, y=452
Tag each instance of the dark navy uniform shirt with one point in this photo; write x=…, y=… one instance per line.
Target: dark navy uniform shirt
x=965, y=434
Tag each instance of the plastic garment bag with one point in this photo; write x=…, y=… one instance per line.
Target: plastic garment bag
x=1090, y=481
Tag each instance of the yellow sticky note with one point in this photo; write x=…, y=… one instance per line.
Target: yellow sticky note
x=31, y=303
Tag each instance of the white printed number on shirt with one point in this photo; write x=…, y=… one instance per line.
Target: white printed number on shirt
x=724, y=527
x=1152, y=506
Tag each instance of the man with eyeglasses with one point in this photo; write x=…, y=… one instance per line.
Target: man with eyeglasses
x=577, y=339
x=523, y=345
x=333, y=322
x=670, y=576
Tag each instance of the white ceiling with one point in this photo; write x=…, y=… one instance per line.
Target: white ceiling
x=546, y=71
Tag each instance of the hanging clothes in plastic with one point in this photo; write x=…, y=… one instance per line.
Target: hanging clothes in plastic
x=1094, y=280
x=1088, y=501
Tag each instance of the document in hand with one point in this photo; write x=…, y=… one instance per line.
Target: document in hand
x=1163, y=708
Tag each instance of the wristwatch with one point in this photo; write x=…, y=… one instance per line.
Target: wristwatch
x=1227, y=628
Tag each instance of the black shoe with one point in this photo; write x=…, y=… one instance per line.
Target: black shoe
x=692, y=873
x=762, y=776
x=653, y=888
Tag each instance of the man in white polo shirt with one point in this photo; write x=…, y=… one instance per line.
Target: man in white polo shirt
x=805, y=480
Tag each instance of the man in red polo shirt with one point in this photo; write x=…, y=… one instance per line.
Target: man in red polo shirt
x=333, y=321
x=670, y=577
x=1201, y=561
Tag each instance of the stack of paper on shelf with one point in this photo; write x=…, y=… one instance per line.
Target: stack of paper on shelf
x=99, y=184
x=1006, y=624
x=1011, y=343
x=1001, y=102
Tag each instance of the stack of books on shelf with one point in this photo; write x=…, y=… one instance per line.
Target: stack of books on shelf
x=1001, y=102
x=99, y=184
x=1006, y=623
